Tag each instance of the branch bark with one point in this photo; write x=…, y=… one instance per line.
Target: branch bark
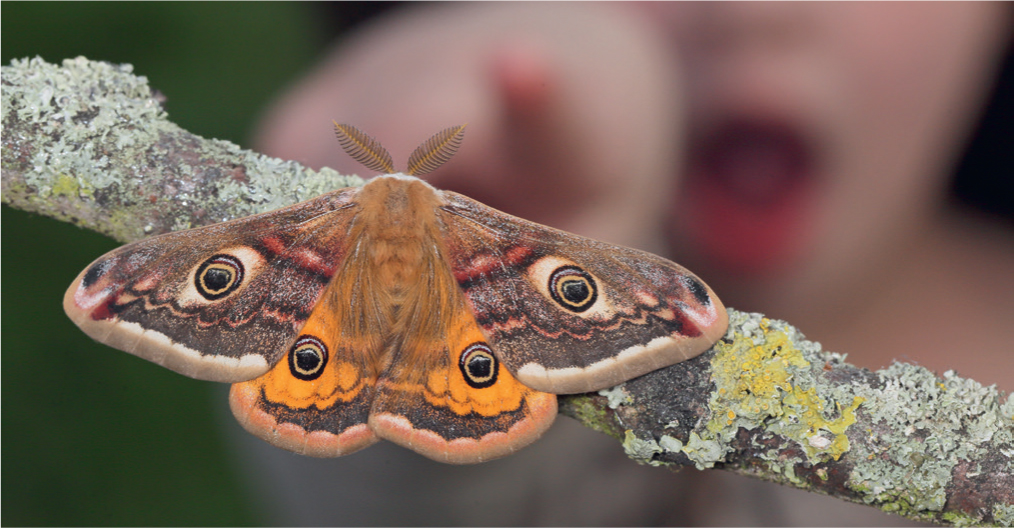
x=87, y=142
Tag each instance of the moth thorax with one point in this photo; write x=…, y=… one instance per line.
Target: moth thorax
x=398, y=200
x=397, y=266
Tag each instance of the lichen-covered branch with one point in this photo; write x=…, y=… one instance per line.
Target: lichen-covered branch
x=766, y=402
x=87, y=142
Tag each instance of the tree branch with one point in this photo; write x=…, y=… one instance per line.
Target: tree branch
x=767, y=403
x=87, y=142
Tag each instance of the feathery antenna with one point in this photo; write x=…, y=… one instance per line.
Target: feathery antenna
x=363, y=148
x=426, y=158
x=436, y=150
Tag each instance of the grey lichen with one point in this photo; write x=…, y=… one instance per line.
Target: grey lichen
x=616, y=396
x=780, y=408
x=70, y=104
x=272, y=183
x=934, y=424
x=640, y=449
x=704, y=452
x=1003, y=514
x=671, y=444
x=87, y=142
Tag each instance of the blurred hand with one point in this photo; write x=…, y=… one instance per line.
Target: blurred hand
x=573, y=111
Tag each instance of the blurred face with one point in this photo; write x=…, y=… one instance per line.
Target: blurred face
x=821, y=134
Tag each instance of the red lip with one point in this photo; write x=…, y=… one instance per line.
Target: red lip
x=748, y=195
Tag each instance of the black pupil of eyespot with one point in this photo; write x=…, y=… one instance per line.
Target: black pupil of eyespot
x=575, y=290
x=217, y=278
x=572, y=288
x=307, y=359
x=480, y=366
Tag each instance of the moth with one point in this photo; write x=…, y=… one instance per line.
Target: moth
x=397, y=311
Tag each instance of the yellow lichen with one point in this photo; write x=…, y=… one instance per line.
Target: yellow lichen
x=755, y=381
x=65, y=185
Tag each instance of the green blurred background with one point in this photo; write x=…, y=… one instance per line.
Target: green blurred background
x=93, y=436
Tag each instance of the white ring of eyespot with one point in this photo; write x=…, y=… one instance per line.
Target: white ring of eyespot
x=540, y=272
x=253, y=263
x=304, y=343
x=470, y=353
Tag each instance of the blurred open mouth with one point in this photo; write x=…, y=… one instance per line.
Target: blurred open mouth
x=748, y=195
